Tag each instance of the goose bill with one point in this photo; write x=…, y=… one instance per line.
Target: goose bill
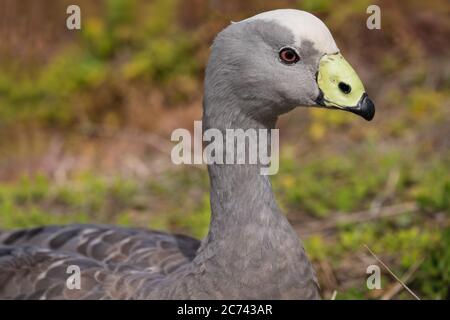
x=341, y=88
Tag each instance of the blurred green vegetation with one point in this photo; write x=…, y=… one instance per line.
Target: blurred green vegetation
x=136, y=63
x=153, y=46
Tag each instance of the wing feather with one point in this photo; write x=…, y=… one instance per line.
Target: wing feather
x=114, y=261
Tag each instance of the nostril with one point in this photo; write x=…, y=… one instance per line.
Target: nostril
x=345, y=88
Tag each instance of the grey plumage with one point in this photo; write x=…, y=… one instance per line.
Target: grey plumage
x=250, y=252
x=33, y=262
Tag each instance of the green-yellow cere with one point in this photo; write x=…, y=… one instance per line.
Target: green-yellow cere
x=333, y=69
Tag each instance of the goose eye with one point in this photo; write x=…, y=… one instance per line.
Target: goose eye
x=289, y=56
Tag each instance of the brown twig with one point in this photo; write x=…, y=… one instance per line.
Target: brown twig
x=392, y=292
x=333, y=296
x=392, y=273
x=328, y=276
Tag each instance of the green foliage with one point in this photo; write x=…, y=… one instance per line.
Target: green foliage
x=434, y=276
x=24, y=205
x=331, y=183
x=348, y=182
x=157, y=51
x=317, y=248
x=324, y=121
x=357, y=293
x=425, y=102
x=328, y=184
x=197, y=221
x=33, y=201
x=315, y=5
x=433, y=194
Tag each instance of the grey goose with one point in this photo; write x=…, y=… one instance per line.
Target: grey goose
x=259, y=69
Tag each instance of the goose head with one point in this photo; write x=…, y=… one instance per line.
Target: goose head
x=275, y=61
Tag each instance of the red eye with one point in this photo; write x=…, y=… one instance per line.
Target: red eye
x=289, y=56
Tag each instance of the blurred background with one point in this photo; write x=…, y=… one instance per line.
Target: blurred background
x=86, y=117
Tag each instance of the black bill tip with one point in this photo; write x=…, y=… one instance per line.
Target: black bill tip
x=365, y=108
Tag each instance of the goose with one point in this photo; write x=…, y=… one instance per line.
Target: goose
x=259, y=68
